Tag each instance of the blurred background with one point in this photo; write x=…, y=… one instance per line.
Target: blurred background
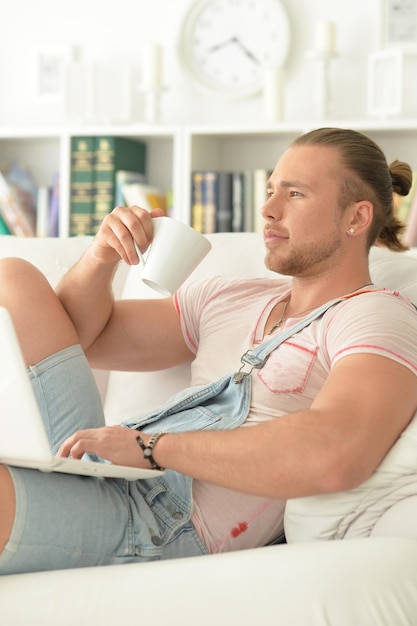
x=112, y=38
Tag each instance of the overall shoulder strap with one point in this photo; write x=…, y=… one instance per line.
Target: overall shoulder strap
x=271, y=344
x=256, y=358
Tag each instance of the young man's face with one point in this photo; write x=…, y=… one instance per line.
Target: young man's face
x=303, y=221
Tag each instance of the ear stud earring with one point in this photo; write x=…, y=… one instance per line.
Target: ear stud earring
x=351, y=230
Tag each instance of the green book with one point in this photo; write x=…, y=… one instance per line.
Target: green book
x=111, y=155
x=4, y=229
x=82, y=185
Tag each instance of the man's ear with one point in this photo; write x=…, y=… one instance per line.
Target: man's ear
x=360, y=217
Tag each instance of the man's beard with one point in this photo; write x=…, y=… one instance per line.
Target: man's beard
x=303, y=259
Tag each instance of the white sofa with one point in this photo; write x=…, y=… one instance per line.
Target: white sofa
x=342, y=583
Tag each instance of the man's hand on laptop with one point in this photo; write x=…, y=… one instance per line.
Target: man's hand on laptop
x=114, y=443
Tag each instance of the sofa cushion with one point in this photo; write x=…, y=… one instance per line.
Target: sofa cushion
x=54, y=256
x=395, y=270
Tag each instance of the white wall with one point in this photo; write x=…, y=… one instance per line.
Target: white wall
x=116, y=32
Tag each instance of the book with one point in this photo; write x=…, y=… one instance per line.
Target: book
x=112, y=154
x=210, y=191
x=224, y=204
x=211, y=201
x=42, y=211
x=18, y=200
x=81, y=186
x=219, y=201
x=197, y=207
x=145, y=196
x=248, y=210
x=124, y=177
x=238, y=202
x=54, y=206
x=4, y=229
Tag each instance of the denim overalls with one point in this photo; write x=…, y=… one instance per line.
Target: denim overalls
x=221, y=405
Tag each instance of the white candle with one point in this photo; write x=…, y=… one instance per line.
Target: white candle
x=325, y=38
x=273, y=93
x=152, y=66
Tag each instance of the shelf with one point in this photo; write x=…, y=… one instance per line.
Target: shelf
x=174, y=151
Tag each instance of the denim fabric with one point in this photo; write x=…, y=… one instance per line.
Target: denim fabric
x=67, y=521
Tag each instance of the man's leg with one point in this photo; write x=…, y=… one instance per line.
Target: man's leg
x=43, y=328
x=41, y=322
x=7, y=506
x=55, y=521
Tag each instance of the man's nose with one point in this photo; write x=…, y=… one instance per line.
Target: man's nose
x=271, y=208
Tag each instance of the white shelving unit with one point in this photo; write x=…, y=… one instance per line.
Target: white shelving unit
x=241, y=148
x=173, y=152
x=46, y=152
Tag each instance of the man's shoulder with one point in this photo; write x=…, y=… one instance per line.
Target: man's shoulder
x=377, y=307
x=239, y=285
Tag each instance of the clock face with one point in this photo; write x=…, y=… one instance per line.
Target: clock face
x=227, y=44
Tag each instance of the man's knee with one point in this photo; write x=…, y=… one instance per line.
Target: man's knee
x=40, y=321
x=19, y=277
x=10, y=265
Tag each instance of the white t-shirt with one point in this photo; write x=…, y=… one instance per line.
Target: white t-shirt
x=223, y=318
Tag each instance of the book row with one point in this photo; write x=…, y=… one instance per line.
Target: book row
x=228, y=201
x=231, y=202
x=27, y=210
x=105, y=172
x=111, y=171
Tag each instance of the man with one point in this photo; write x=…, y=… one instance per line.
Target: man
x=318, y=417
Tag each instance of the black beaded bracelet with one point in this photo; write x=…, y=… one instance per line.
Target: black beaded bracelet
x=148, y=449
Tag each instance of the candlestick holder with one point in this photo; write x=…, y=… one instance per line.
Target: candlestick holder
x=152, y=97
x=322, y=89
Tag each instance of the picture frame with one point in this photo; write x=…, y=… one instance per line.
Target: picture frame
x=384, y=83
x=398, y=24
x=51, y=61
x=391, y=85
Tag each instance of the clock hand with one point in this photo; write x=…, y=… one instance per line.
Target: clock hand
x=237, y=42
x=245, y=50
x=218, y=46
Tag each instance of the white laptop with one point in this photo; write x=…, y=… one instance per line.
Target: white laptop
x=23, y=438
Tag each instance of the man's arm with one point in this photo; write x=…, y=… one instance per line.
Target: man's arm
x=127, y=335
x=360, y=412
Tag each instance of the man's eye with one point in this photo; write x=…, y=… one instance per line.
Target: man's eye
x=295, y=193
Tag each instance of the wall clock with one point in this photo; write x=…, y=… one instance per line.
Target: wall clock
x=225, y=45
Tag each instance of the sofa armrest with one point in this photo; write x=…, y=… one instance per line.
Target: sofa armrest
x=361, y=582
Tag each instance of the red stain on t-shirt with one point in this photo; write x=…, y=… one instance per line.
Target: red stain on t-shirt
x=238, y=530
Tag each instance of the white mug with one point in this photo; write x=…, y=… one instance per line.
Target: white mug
x=175, y=251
